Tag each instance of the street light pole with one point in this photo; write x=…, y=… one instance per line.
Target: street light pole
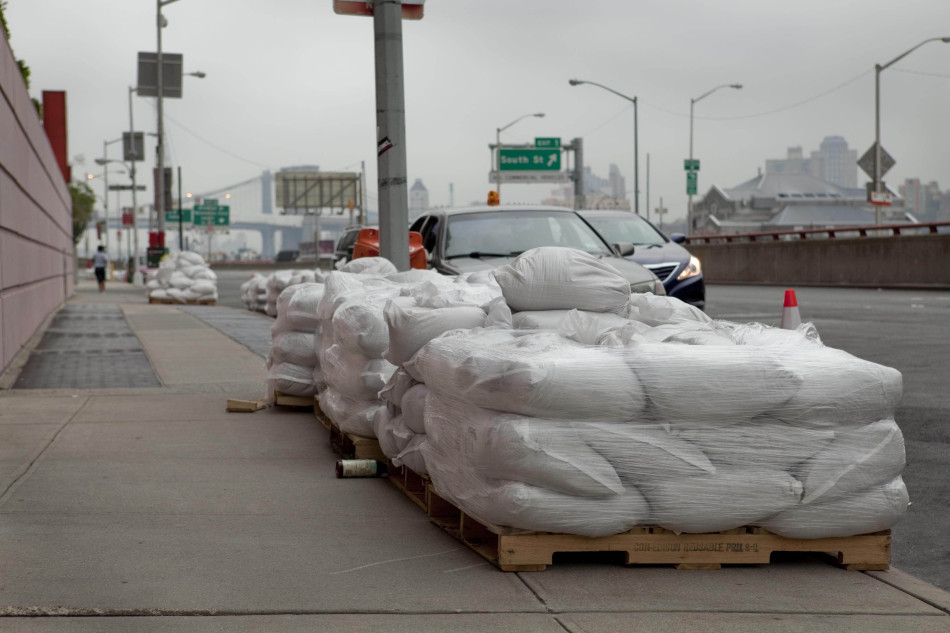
x=878, y=68
x=692, y=103
x=135, y=207
x=498, y=132
x=160, y=179
x=636, y=151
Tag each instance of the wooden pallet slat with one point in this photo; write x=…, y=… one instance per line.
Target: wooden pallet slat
x=348, y=445
x=287, y=400
x=245, y=406
x=191, y=302
x=410, y=483
x=514, y=550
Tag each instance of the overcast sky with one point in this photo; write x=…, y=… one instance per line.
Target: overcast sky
x=289, y=83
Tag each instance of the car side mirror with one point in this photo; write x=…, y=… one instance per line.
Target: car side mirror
x=624, y=249
x=679, y=238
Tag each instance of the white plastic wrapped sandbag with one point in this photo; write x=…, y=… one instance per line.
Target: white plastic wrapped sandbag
x=205, y=273
x=369, y=266
x=858, y=458
x=159, y=294
x=302, y=308
x=861, y=513
x=359, y=327
x=412, y=456
x=534, y=374
x=761, y=442
x=391, y=432
x=349, y=415
x=397, y=386
x=645, y=452
x=687, y=333
x=656, y=310
x=729, y=498
x=556, y=278
x=805, y=336
x=291, y=379
x=838, y=388
x=412, y=327
x=355, y=375
x=294, y=347
x=191, y=258
x=417, y=276
x=342, y=286
x=711, y=384
x=449, y=293
x=204, y=287
x=153, y=284
x=589, y=327
x=413, y=406
x=179, y=280
x=538, y=319
x=545, y=453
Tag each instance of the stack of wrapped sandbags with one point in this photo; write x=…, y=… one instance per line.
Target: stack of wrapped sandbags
x=438, y=305
x=183, y=277
x=642, y=411
x=254, y=292
x=293, y=364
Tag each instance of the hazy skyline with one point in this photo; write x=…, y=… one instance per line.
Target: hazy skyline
x=289, y=83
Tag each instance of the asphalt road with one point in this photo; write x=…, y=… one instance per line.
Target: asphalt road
x=904, y=329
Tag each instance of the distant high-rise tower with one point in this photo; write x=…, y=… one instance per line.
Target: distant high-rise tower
x=617, y=184
x=833, y=163
x=418, y=198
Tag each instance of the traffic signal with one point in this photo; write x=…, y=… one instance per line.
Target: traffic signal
x=493, y=198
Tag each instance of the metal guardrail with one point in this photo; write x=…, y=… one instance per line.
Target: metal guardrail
x=870, y=230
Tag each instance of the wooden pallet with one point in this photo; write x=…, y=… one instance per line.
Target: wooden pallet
x=191, y=302
x=410, y=483
x=286, y=400
x=520, y=550
x=349, y=445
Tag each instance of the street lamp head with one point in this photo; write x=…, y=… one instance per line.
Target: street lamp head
x=736, y=86
x=945, y=40
x=575, y=82
x=539, y=114
x=199, y=74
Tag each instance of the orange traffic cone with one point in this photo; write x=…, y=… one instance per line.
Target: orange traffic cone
x=791, y=319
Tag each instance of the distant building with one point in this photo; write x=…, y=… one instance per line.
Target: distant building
x=418, y=199
x=616, y=183
x=833, y=163
x=784, y=201
x=599, y=193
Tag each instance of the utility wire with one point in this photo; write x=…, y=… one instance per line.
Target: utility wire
x=920, y=72
x=217, y=147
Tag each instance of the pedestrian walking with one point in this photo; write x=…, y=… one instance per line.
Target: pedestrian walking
x=100, y=259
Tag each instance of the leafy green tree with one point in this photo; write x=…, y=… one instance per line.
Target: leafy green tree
x=24, y=69
x=83, y=202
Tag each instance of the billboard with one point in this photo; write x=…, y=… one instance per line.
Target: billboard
x=308, y=192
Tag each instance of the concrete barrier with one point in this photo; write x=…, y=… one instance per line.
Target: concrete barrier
x=901, y=261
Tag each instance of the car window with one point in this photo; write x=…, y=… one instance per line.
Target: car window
x=512, y=232
x=430, y=234
x=627, y=228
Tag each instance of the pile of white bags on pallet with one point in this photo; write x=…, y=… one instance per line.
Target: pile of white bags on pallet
x=183, y=277
x=254, y=292
x=372, y=322
x=641, y=410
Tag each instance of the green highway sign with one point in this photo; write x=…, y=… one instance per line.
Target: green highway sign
x=529, y=159
x=691, y=164
x=209, y=213
x=172, y=215
x=692, y=179
x=547, y=142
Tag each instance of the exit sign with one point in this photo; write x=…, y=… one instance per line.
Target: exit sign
x=691, y=164
x=547, y=142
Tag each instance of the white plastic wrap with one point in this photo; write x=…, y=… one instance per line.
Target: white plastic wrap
x=655, y=310
x=555, y=278
x=413, y=406
x=534, y=374
x=291, y=379
x=411, y=327
x=302, y=307
x=349, y=415
x=355, y=375
x=294, y=347
x=369, y=266
x=183, y=276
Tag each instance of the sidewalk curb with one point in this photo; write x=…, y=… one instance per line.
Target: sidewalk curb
x=920, y=589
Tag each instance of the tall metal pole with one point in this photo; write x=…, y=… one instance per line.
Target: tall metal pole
x=636, y=163
x=497, y=158
x=648, y=185
x=181, y=213
x=689, y=205
x=877, y=139
x=105, y=183
x=391, y=141
x=135, y=207
x=160, y=160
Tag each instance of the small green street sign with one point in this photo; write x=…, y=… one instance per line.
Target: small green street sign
x=529, y=160
x=692, y=179
x=547, y=142
x=172, y=215
x=209, y=213
x=691, y=164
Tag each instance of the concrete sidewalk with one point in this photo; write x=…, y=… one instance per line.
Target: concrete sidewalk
x=152, y=509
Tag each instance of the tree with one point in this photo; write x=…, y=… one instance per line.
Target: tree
x=83, y=202
x=24, y=69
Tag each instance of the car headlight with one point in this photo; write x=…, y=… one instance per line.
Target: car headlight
x=692, y=269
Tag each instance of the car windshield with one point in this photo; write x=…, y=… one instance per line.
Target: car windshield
x=626, y=228
x=507, y=233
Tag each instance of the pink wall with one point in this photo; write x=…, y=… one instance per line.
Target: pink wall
x=36, y=247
